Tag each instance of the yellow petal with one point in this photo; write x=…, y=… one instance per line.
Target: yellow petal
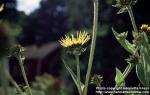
x=1, y=7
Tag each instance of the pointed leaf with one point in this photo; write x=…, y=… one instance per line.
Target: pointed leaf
x=134, y=2
x=135, y=34
x=121, y=38
x=74, y=77
x=145, y=51
x=140, y=73
x=117, y=5
x=119, y=79
x=122, y=10
x=145, y=64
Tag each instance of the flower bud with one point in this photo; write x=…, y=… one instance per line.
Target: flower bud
x=133, y=59
x=124, y=3
x=97, y=80
x=17, y=50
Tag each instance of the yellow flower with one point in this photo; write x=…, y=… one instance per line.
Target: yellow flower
x=148, y=29
x=79, y=40
x=144, y=27
x=1, y=7
x=74, y=43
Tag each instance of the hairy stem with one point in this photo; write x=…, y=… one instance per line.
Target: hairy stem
x=127, y=70
x=23, y=73
x=4, y=68
x=132, y=18
x=95, y=24
x=14, y=83
x=78, y=73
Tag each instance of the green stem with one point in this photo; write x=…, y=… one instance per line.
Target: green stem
x=132, y=18
x=145, y=69
x=23, y=73
x=125, y=73
x=78, y=73
x=144, y=64
x=95, y=24
x=4, y=68
x=127, y=70
x=14, y=83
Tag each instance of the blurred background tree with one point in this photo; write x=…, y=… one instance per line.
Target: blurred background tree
x=10, y=12
x=48, y=23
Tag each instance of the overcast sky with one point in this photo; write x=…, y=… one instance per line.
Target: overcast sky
x=27, y=5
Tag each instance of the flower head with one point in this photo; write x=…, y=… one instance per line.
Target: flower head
x=79, y=40
x=133, y=59
x=124, y=3
x=148, y=29
x=1, y=7
x=76, y=42
x=97, y=80
x=17, y=50
x=145, y=28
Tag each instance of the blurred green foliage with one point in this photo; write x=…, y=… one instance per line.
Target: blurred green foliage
x=48, y=85
x=43, y=85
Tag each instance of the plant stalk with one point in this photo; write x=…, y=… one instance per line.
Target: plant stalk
x=144, y=61
x=95, y=25
x=5, y=83
x=78, y=73
x=14, y=83
x=128, y=70
x=23, y=73
x=125, y=73
x=132, y=18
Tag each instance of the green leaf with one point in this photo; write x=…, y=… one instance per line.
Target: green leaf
x=119, y=79
x=135, y=34
x=25, y=93
x=133, y=2
x=121, y=38
x=145, y=61
x=146, y=58
x=140, y=73
x=122, y=10
x=74, y=77
x=130, y=46
x=117, y=5
x=145, y=51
